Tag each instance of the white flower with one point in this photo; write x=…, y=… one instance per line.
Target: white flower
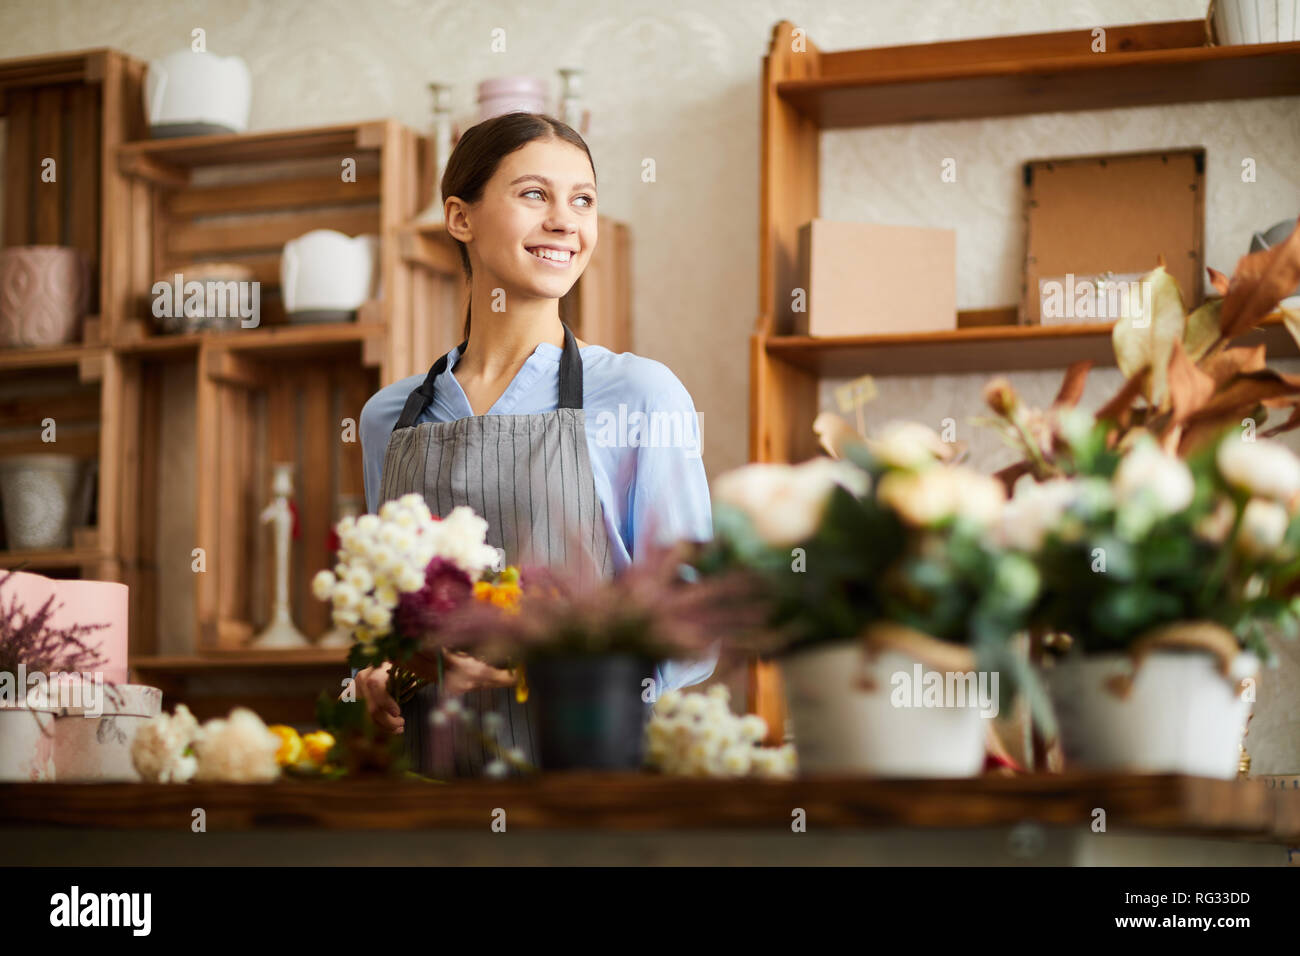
x=345, y=596
x=322, y=584
x=347, y=617
x=921, y=498
x=668, y=703
x=1264, y=467
x=238, y=749
x=1035, y=509
x=1165, y=481
x=736, y=761
x=908, y=445
x=980, y=498
x=785, y=503
x=753, y=728
x=1263, y=526
x=360, y=578
x=158, y=750
x=377, y=616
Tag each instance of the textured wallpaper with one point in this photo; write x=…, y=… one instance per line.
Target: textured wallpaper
x=678, y=81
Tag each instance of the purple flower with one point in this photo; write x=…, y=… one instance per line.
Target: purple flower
x=446, y=587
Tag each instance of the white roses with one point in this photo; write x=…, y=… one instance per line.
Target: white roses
x=785, y=503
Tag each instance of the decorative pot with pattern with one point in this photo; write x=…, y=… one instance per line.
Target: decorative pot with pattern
x=44, y=292
x=89, y=747
x=39, y=493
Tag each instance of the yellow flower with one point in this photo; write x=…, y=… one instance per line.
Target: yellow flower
x=316, y=745
x=291, y=745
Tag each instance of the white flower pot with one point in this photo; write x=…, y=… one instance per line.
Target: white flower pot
x=1180, y=714
x=1256, y=21
x=99, y=748
x=38, y=493
x=206, y=92
x=26, y=744
x=841, y=728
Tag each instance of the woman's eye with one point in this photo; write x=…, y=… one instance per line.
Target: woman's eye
x=531, y=191
x=591, y=201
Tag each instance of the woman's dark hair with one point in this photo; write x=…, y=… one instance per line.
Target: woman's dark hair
x=479, y=152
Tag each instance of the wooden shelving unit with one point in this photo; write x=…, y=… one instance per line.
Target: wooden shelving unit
x=806, y=90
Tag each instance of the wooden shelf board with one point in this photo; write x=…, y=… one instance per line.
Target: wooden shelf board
x=49, y=356
x=80, y=66
x=630, y=801
x=300, y=339
x=983, y=349
x=242, y=659
x=36, y=559
x=266, y=146
x=965, y=79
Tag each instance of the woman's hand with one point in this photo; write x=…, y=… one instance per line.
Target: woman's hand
x=460, y=672
x=372, y=685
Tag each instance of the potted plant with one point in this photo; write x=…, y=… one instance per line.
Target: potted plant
x=887, y=605
x=586, y=649
x=1163, y=526
x=38, y=662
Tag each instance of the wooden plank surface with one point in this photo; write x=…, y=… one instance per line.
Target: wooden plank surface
x=633, y=801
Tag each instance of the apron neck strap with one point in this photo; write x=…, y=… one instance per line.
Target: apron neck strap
x=570, y=381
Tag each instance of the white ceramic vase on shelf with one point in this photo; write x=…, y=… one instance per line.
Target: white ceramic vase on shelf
x=188, y=93
x=1256, y=21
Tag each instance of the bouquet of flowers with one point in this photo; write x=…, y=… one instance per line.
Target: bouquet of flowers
x=401, y=573
x=1129, y=541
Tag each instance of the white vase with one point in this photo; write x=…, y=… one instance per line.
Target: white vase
x=327, y=271
x=26, y=744
x=841, y=728
x=204, y=91
x=88, y=747
x=1256, y=21
x=1181, y=715
x=37, y=492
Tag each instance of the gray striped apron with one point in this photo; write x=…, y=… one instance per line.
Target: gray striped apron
x=530, y=477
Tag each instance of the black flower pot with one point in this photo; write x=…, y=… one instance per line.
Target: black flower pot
x=590, y=715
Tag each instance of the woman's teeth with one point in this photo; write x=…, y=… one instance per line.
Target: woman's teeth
x=555, y=255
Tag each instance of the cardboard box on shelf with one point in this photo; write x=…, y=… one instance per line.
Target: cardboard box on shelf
x=867, y=278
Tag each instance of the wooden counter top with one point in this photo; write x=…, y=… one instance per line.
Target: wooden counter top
x=1171, y=805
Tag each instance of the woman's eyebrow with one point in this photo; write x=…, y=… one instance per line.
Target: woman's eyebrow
x=547, y=183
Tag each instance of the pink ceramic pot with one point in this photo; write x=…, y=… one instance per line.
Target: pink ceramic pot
x=509, y=94
x=44, y=291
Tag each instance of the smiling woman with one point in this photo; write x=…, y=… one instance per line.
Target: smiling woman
x=513, y=422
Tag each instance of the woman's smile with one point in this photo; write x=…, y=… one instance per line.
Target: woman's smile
x=558, y=257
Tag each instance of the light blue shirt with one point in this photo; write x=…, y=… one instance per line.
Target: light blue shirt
x=643, y=439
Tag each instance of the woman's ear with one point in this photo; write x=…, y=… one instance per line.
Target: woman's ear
x=456, y=217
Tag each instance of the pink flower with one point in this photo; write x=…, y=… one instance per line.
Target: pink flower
x=446, y=587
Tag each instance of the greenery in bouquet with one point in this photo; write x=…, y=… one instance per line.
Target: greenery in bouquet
x=401, y=573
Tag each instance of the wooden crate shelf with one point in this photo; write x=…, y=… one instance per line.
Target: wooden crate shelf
x=239, y=198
